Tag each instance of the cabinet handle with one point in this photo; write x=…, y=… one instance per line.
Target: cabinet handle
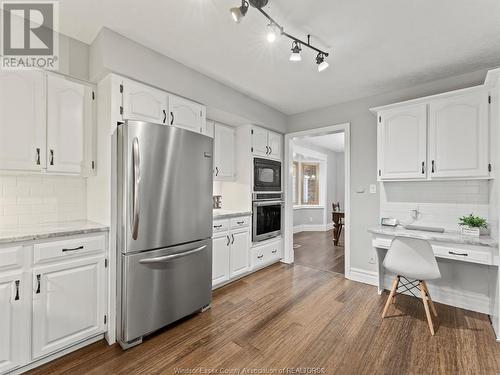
x=216, y=171
x=423, y=167
x=38, y=284
x=270, y=150
x=240, y=222
x=432, y=166
x=37, y=156
x=267, y=150
x=16, y=298
x=274, y=251
x=51, y=157
x=171, y=118
x=461, y=254
x=73, y=249
x=260, y=256
x=218, y=226
x=228, y=240
x=232, y=237
x=164, y=116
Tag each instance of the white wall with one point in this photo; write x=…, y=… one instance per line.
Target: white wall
x=365, y=206
x=112, y=52
x=27, y=200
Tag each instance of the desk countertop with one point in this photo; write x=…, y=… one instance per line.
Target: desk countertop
x=449, y=236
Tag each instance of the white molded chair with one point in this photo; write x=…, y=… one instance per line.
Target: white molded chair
x=411, y=258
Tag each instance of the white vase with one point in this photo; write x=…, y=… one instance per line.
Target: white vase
x=470, y=231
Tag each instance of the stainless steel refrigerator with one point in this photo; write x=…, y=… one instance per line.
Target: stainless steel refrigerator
x=164, y=226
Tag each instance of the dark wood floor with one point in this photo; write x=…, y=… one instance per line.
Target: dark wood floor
x=295, y=316
x=317, y=250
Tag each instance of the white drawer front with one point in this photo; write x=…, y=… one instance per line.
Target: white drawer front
x=465, y=255
x=57, y=250
x=220, y=225
x=11, y=257
x=239, y=222
x=263, y=255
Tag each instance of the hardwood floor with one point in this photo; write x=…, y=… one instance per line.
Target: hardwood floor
x=317, y=250
x=295, y=316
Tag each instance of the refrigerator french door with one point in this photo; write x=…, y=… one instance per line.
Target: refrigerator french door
x=164, y=225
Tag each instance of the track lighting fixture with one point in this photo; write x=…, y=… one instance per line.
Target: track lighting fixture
x=295, y=56
x=239, y=12
x=322, y=64
x=274, y=29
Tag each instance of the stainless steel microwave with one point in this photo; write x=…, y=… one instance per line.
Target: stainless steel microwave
x=266, y=175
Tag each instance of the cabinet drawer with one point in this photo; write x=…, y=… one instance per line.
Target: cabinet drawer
x=238, y=222
x=11, y=257
x=265, y=254
x=44, y=252
x=220, y=225
x=466, y=255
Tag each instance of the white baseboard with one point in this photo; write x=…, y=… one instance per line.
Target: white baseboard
x=312, y=228
x=364, y=276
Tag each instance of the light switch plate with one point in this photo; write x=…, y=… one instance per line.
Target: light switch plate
x=373, y=189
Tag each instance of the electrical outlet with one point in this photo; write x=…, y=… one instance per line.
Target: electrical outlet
x=371, y=259
x=373, y=189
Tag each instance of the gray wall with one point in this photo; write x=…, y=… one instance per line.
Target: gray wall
x=365, y=206
x=308, y=216
x=73, y=58
x=112, y=52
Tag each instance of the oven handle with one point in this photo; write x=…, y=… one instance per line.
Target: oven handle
x=267, y=203
x=171, y=257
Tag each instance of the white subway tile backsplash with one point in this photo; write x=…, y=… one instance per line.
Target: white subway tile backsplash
x=41, y=199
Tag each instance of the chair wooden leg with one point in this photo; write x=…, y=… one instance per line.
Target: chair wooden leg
x=426, y=306
x=431, y=303
x=391, y=295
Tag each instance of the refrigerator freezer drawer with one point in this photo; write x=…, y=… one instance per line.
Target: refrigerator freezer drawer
x=162, y=286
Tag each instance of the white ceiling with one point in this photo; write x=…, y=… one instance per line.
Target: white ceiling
x=333, y=142
x=376, y=46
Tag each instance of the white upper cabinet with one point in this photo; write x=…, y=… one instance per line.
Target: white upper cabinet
x=458, y=136
x=144, y=103
x=68, y=116
x=403, y=143
x=68, y=304
x=187, y=114
x=265, y=143
x=14, y=305
x=224, y=149
x=22, y=120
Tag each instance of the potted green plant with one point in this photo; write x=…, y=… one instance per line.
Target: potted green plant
x=473, y=225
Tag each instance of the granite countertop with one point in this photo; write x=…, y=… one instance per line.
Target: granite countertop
x=44, y=231
x=448, y=236
x=227, y=214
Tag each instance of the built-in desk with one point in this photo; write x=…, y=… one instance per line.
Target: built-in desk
x=469, y=266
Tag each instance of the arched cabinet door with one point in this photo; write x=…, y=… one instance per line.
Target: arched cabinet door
x=402, y=138
x=144, y=103
x=66, y=122
x=187, y=114
x=458, y=136
x=22, y=120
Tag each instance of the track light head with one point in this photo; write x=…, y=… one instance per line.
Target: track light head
x=272, y=33
x=295, y=56
x=239, y=12
x=322, y=64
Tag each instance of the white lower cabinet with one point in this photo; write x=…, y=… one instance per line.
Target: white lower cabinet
x=230, y=249
x=54, y=304
x=267, y=253
x=68, y=304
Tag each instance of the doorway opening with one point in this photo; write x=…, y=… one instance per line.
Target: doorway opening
x=317, y=198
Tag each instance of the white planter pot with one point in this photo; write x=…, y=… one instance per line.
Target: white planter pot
x=469, y=231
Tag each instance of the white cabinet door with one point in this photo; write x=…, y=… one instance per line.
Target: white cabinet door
x=403, y=143
x=14, y=322
x=458, y=137
x=240, y=259
x=220, y=260
x=187, y=114
x=68, y=304
x=274, y=143
x=22, y=120
x=224, y=152
x=259, y=141
x=144, y=103
x=67, y=118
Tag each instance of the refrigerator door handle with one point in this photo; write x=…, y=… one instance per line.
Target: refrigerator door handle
x=136, y=177
x=168, y=258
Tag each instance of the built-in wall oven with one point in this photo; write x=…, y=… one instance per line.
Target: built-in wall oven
x=267, y=215
x=266, y=175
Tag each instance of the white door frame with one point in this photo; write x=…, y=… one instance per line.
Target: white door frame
x=288, y=255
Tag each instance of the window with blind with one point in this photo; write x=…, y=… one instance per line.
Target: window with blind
x=310, y=183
